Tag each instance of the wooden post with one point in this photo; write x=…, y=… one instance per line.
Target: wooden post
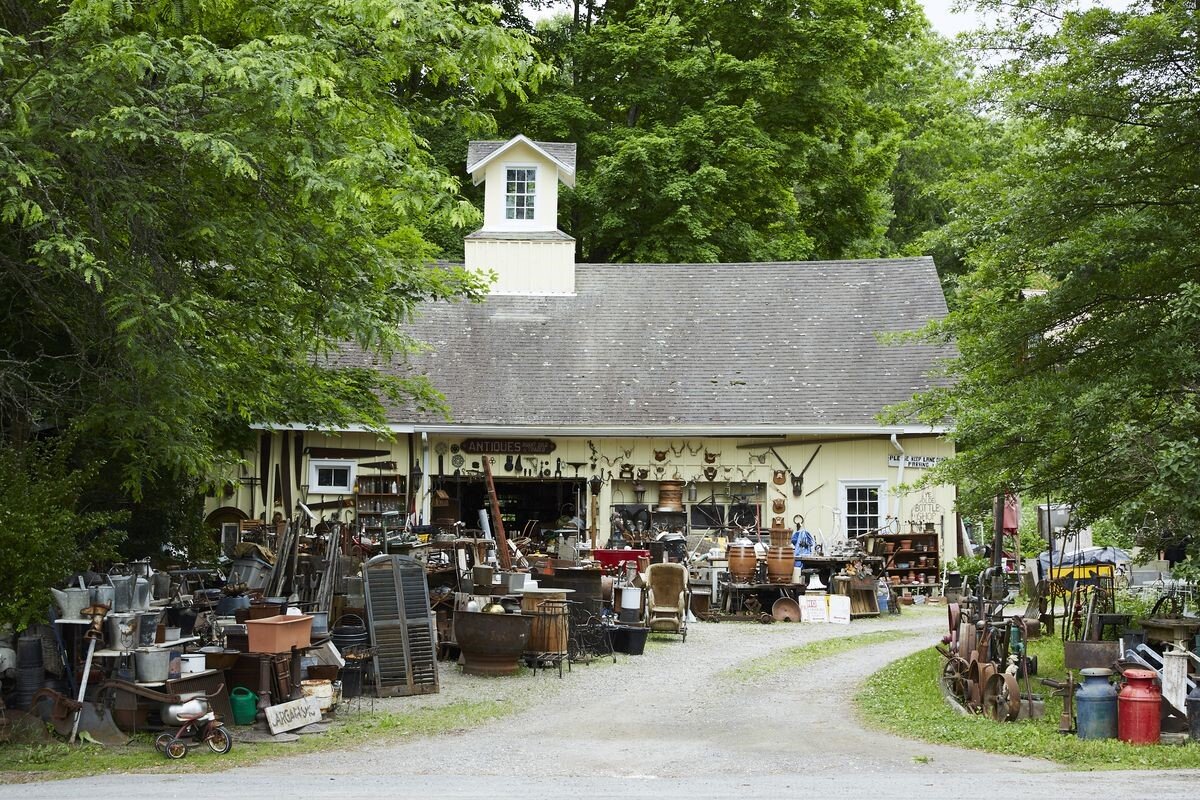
x=502, y=553
x=595, y=510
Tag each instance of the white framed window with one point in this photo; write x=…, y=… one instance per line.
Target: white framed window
x=520, y=186
x=331, y=476
x=863, y=505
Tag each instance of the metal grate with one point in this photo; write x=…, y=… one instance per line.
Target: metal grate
x=401, y=624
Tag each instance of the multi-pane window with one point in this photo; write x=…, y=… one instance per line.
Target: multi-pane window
x=862, y=509
x=518, y=192
x=334, y=476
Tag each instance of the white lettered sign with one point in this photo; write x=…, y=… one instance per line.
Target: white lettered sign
x=839, y=609
x=813, y=608
x=296, y=714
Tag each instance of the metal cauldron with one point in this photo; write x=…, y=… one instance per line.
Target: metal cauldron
x=491, y=644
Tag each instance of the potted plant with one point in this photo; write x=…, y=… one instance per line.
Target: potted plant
x=964, y=569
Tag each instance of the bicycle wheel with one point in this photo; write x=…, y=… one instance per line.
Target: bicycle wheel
x=176, y=748
x=218, y=740
x=161, y=742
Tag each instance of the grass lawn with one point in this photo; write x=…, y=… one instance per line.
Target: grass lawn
x=29, y=762
x=801, y=655
x=904, y=698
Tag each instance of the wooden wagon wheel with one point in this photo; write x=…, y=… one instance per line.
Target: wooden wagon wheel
x=1002, y=697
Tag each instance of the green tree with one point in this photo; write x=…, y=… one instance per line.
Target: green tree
x=725, y=131
x=203, y=201
x=44, y=534
x=949, y=138
x=1085, y=391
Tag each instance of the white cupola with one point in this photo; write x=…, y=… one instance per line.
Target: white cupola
x=520, y=240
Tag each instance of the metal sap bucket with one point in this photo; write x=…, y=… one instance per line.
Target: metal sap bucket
x=152, y=665
x=148, y=627
x=122, y=631
x=122, y=592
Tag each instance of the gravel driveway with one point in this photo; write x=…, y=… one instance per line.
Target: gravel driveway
x=671, y=723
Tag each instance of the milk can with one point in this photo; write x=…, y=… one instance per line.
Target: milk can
x=1096, y=704
x=1193, y=713
x=1138, y=708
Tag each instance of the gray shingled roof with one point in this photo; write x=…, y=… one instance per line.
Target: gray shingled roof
x=563, y=151
x=688, y=344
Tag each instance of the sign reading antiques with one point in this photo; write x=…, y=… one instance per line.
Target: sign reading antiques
x=508, y=447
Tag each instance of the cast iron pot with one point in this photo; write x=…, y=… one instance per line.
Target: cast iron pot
x=491, y=644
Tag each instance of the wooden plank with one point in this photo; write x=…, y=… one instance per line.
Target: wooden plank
x=497, y=522
x=294, y=714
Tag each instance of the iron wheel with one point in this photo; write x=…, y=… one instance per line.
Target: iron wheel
x=218, y=740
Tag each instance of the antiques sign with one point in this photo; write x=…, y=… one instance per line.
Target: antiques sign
x=508, y=447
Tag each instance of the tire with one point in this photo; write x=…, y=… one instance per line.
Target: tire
x=218, y=740
x=161, y=742
x=176, y=748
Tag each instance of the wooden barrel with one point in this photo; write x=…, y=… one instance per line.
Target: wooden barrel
x=670, y=496
x=549, y=632
x=780, y=536
x=742, y=561
x=780, y=561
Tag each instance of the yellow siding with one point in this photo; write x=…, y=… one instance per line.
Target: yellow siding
x=836, y=463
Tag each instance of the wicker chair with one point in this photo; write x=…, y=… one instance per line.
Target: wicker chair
x=666, y=600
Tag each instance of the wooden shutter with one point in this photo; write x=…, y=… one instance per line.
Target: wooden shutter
x=401, y=626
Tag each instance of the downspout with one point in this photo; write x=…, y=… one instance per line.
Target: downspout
x=427, y=484
x=899, y=476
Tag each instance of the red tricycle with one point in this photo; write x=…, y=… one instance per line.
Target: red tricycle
x=198, y=724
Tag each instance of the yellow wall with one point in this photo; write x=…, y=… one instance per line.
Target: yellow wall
x=837, y=461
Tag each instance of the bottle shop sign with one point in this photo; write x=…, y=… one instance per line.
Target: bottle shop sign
x=508, y=447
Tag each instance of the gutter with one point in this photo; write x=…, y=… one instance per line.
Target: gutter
x=625, y=431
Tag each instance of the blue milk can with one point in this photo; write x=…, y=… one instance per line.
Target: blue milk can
x=1096, y=706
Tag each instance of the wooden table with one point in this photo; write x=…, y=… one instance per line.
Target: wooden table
x=1174, y=630
x=739, y=605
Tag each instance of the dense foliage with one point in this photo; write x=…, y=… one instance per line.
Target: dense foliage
x=201, y=203
x=43, y=534
x=1088, y=390
x=729, y=131
x=199, y=199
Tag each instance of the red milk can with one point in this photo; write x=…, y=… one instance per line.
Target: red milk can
x=1138, y=708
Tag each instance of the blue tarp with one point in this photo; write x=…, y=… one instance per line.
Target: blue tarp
x=1089, y=555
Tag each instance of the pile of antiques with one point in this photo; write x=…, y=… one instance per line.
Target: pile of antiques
x=1156, y=696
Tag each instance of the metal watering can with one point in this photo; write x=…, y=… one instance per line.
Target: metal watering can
x=141, y=594
x=123, y=586
x=71, y=602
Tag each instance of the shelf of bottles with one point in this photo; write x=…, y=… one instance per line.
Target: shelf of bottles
x=376, y=494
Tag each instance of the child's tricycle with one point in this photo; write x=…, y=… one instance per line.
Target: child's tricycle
x=198, y=724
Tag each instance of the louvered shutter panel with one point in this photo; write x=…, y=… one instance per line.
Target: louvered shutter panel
x=401, y=625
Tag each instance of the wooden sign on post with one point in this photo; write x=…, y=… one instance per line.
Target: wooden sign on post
x=292, y=715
